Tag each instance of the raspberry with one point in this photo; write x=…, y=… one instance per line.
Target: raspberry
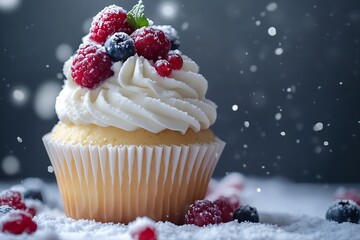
x=171, y=34
x=225, y=208
x=147, y=233
x=202, y=213
x=91, y=66
x=110, y=20
x=175, y=61
x=12, y=199
x=233, y=200
x=151, y=43
x=163, y=68
x=31, y=211
x=18, y=223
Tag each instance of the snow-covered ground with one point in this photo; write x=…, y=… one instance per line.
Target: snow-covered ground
x=288, y=211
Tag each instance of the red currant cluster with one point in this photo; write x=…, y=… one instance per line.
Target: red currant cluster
x=118, y=35
x=15, y=216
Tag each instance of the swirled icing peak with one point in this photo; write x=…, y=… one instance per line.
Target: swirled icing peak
x=137, y=97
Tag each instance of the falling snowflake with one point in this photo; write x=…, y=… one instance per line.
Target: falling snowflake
x=20, y=95
x=278, y=116
x=45, y=97
x=10, y=165
x=50, y=169
x=318, y=127
x=246, y=124
x=272, y=31
x=19, y=139
x=279, y=51
x=271, y=7
x=9, y=5
x=185, y=26
x=235, y=107
x=169, y=9
x=63, y=52
x=253, y=68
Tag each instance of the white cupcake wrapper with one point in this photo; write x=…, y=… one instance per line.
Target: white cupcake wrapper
x=120, y=183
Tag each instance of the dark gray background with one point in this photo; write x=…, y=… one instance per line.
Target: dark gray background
x=316, y=79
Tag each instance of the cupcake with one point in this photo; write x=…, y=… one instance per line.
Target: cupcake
x=133, y=135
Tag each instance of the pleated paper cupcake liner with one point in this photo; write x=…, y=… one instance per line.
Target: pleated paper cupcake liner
x=120, y=183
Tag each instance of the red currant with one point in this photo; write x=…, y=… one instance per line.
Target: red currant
x=147, y=234
x=175, y=61
x=163, y=68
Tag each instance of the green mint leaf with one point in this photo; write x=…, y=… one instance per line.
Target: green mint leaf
x=136, y=16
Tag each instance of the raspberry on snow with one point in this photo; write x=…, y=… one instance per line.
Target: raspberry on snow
x=225, y=208
x=110, y=20
x=13, y=199
x=18, y=222
x=202, y=213
x=91, y=66
x=151, y=43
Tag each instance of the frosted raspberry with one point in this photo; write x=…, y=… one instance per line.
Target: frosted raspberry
x=225, y=208
x=151, y=43
x=110, y=20
x=17, y=223
x=12, y=199
x=91, y=66
x=202, y=213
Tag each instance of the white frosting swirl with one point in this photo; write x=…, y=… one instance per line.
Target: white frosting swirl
x=137, y=97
